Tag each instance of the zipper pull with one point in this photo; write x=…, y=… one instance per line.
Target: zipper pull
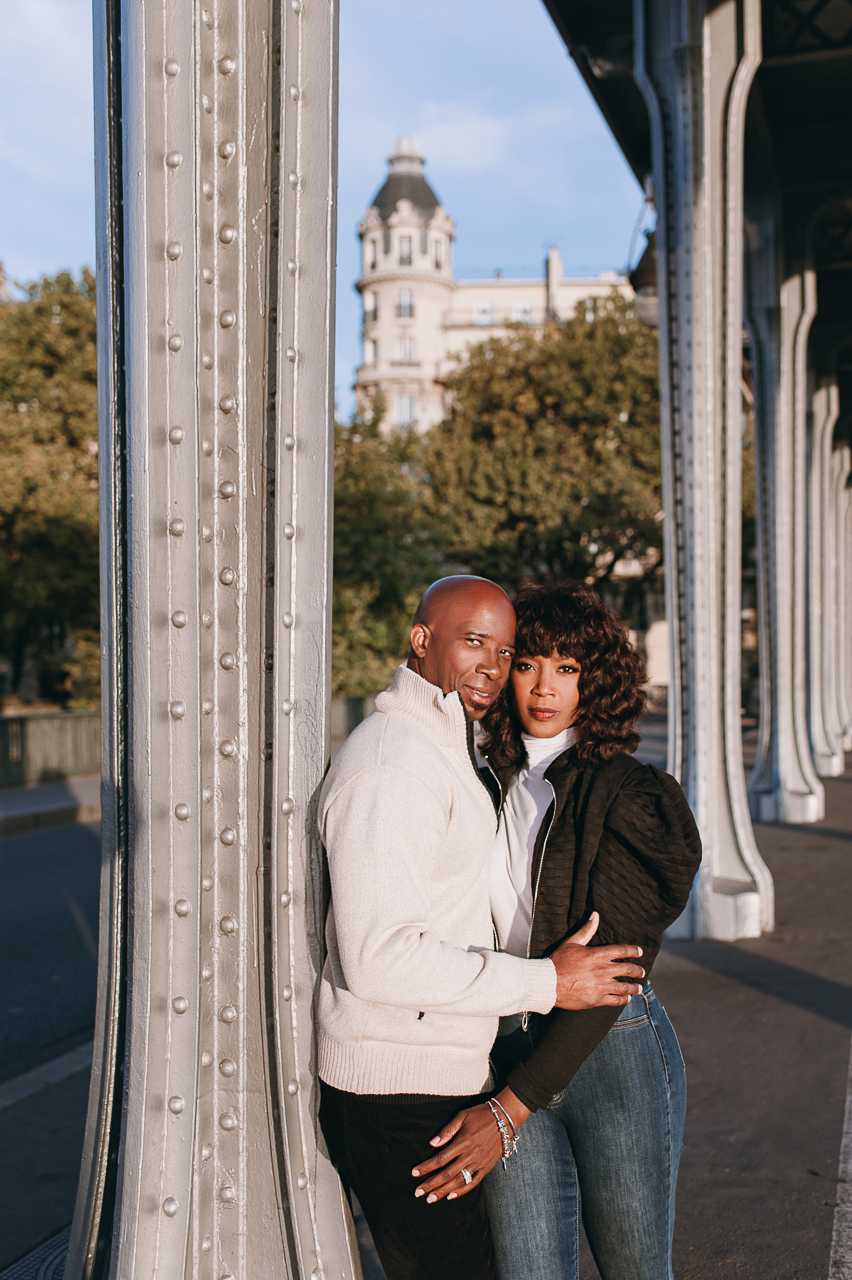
x=525, y=1021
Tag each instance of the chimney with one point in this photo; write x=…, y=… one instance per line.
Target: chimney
x=553, y=272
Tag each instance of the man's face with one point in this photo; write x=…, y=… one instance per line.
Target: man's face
x=466, y=645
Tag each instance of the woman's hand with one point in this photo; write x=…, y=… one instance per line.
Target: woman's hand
x=470, y=1141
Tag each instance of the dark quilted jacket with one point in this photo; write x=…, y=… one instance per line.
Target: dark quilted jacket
x=619, y=839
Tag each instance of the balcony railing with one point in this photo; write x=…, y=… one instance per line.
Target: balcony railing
x=405, y=310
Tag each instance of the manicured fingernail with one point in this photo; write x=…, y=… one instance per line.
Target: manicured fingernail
x=415, y=1173
x=431, y=1199
x=640, y=951
x=452, y=1196
x=434, y=1142
x=418, y=1193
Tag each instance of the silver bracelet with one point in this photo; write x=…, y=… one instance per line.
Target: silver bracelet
x=499, y=1104
x=510, y=1144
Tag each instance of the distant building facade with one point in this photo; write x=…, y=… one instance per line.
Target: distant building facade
x=417, y=317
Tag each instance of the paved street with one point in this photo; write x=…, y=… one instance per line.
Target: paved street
x=764, y=1026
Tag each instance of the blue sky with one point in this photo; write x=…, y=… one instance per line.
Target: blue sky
x=515, y=147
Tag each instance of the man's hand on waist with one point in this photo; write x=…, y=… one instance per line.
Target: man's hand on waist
x=588, y=977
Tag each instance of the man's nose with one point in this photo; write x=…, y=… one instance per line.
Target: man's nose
x=490, y=664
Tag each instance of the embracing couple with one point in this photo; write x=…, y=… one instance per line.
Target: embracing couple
x=493, y=1060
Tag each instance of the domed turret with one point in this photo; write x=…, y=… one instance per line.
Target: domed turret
x=406, y=181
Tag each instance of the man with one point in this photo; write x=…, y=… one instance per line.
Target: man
x=412, y=990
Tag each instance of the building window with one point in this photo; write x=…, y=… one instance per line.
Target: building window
x=371, y=307
x=522, y=311
x=386, y=241
x=439, y=255
x=405, y=411
x=374, y=254
x=405, y=350
x=424, y=241
x=405, y=251
x=405, y=306
x=485, y=313
x=373, y=351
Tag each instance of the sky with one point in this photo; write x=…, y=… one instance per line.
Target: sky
x=515, y=148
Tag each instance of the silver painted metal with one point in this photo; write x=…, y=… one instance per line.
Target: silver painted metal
x=697, y=126
x=843, y=543
x=826, y=733
x=209, y=1172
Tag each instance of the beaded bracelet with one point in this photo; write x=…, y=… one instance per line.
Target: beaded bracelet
x=510, y=1143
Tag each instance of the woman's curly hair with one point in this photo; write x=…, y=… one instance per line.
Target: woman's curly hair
x=570, y=619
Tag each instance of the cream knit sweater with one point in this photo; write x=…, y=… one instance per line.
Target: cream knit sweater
x=412, y=991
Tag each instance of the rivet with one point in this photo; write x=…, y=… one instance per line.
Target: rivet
x=173, y=159
x=228, y=1013
x=207, y=19
x=207, y=446
x=228, y=835
x=293, y=1088
x=206, y=1244
x=291, y=354
x=228, y=1121
x=286, y=899
x=289, y=531
x=207, y=360
x=227, y=661
x=294, y=179
x=207, y=619
x=227, y=489
x=207, y=883
x=226, y=150
x=227, y=233
x=227, y=404
x=287, y=706
x=288, y=620
x=294, y=93
x=290, y=443
x=177, y=710
x=170, y=1207
x=227, y=319
x=228, y=1067
x=302, y=1181
x=228, y=1195
x=174, y=250
x=207, y=707
x=182, y=812
x=176, y=1105
x=177, y=528
x=316, y=1274
x=207, y=277
x=207, y=188
x=182, y=907
x=179, y=619
x=176, y=435
x=206, y=1058
x=175, y=342
x=208, y=107
x=226, y=66
x=227, y=748
x=296, y=6
x=286, y=993
x=207, y=793
x=207, y=533
x=227, y=576
x=292, y=267
x=287, y=806
x=180, y=1004
x=172, y=67
x=207, y=973
x=228, y=925
x=206, y=1151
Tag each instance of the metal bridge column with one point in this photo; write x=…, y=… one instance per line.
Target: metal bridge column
x=825, y=729
x=697, y=123
x=843, y=579
x=216, y=247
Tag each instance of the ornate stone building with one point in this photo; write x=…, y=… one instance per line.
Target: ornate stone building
x=417, y=317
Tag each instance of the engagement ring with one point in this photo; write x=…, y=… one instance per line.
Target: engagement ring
x=468, y=1177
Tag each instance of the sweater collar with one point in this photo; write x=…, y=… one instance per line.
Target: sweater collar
x=441, y=715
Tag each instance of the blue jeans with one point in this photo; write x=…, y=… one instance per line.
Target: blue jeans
x=610, y=1142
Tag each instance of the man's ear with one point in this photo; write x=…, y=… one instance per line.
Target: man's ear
x=419, y=639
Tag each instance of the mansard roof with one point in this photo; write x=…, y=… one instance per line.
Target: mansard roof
x=406, y=182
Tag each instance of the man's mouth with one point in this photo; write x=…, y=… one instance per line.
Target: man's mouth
x=542, y=713
x=480, y=697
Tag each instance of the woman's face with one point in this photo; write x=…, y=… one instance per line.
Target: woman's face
x=545, y=694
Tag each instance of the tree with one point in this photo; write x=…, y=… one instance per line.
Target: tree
x=48, y=441
x=548, y=465
x=385, y=552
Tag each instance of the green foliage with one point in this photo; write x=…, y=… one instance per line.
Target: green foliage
x=549, y=463
x=48, y=443
x=385, y=552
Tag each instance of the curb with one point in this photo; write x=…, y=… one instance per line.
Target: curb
x=14, y=824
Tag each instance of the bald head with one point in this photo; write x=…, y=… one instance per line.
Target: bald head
x=462, y=640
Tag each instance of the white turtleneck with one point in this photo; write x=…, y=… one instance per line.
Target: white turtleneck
x=509, y=869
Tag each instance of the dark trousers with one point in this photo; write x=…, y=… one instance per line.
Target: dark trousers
x=375, y=1145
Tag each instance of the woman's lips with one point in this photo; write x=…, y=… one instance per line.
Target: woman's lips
x=542, y=713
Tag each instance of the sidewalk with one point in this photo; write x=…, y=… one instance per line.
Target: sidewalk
x=50, y=804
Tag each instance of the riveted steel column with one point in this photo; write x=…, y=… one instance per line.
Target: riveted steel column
x=697, y=123
x=843, y=615
x=825, y=731
x=216, y=181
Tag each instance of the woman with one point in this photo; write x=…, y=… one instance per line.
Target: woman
x=595, y=1099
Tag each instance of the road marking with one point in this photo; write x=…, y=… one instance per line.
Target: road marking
x=840, y=1264
x=49, y=1073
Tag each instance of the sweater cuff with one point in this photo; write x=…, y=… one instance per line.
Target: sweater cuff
x=539, y=986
